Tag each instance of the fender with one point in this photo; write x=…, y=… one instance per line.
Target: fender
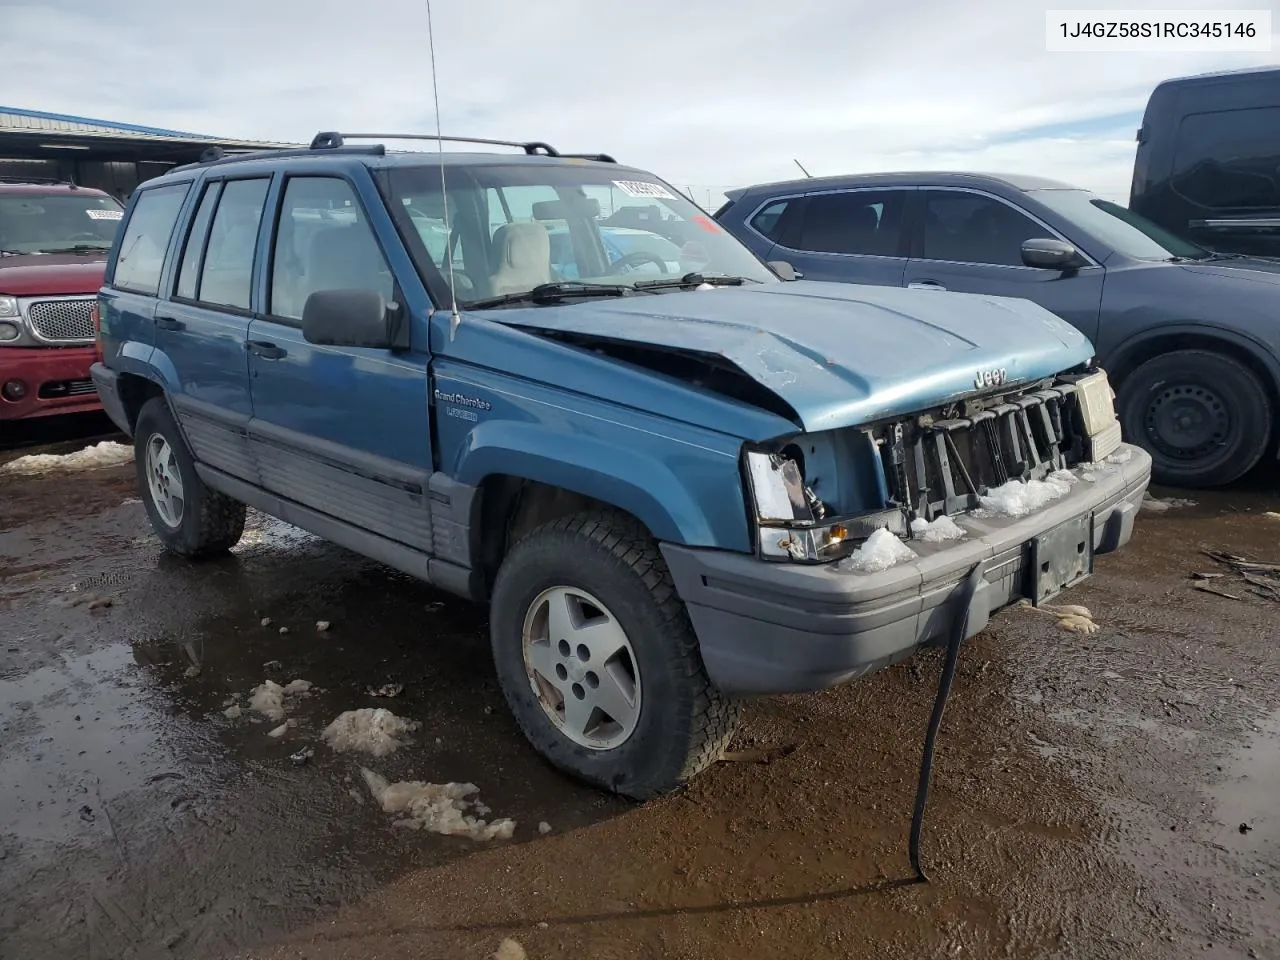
x=703, y=505
x=1120, y=355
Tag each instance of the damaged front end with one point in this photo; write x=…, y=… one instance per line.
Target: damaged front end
x=815, y=497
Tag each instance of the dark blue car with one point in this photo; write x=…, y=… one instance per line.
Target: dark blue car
x=1190, y=338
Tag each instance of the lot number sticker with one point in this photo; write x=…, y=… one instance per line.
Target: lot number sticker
x=639, y=188
x=105, y=214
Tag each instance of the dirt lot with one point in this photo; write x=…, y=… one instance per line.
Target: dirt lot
x=1112, y=795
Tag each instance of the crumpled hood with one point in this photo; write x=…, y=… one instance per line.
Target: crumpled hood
x=837, y=354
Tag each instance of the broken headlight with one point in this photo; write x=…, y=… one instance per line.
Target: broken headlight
x=792, y=521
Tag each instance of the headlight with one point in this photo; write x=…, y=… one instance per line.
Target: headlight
x=9, y=331
x=792, y=521
x=8, y=306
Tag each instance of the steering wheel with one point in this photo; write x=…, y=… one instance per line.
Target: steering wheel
x=635, y=259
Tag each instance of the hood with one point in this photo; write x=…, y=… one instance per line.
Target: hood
x=1243, y=269
x=52, y=274
x=837, y=354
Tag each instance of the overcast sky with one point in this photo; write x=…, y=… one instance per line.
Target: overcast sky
x=712, y=94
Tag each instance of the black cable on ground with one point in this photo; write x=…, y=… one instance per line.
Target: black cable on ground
x=958, y=630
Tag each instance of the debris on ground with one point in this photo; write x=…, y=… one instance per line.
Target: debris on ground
x=265, y=621
x=302, y=756
x=1071, y=617
x=1272, y=515
x=268, y=698
x=437, y=807
x=387, y=690
x=192, y=671
x=100, y=603
x=283, y=631
x=1260, y=578
x=322, y=625
x=376, y=732
x=1154, y=504
x=878, y=552
x=95, y=457
x=936, y=531
x=509, y=949
x=759, y=754
x=544, y=828
x=273, y=665
x=281, y=730
x=233, y=712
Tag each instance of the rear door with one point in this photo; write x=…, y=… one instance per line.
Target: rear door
x=343, y=431
x=971, y=242
x=201, y=328
x=847, y=236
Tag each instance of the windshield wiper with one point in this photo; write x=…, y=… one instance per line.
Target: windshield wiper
x=547, y=293
x=10, y=253
x=78, y=248
x=690, y=280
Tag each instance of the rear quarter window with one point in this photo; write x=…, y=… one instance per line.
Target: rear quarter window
x=140, y=257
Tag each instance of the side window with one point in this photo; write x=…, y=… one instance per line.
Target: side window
x=865, y=222
x=769, y=220
x=146, y=238
x=227, y=274
x=970, y=228
x=1229, y=159
x=323, y=241
x=193, y=252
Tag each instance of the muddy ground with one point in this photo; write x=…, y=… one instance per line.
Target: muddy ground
x=1112, y=795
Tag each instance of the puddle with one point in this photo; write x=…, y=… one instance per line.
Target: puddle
x=1251, y=794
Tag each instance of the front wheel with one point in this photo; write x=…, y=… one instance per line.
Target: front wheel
x=1204, y=417
x=598, y=661
x=190, y=519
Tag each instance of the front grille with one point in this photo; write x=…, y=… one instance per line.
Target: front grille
x=62, y=321
x=943, y=461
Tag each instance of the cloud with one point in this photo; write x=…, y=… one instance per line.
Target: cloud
x=721, y=93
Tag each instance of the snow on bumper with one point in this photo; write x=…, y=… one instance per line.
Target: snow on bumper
x=776, y=627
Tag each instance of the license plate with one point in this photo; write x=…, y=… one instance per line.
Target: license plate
x=1061, y=557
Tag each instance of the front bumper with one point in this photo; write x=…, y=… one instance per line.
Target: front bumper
x=56, y=380
x=768, y=627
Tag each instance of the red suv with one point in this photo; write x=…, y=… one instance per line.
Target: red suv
x=54, y=240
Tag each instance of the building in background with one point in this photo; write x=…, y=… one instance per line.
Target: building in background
x=114, y=157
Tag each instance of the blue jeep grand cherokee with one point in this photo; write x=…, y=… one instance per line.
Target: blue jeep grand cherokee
x=673, y=492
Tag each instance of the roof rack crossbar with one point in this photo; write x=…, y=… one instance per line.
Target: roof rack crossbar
x=329, y=140
x=599, y=157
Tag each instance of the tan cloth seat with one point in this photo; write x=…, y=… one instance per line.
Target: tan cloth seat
x=523, y=253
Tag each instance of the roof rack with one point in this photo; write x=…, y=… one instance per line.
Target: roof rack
x=213, y=156
x=332, y=140
x=40, y=181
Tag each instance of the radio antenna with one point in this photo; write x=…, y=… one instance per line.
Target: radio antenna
x=455, y=318
x=802, y=169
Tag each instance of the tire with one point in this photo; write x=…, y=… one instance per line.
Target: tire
x=681, y=722
x=1204, y=417
x=208, y=523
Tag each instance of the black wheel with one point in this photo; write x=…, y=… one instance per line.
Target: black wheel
x=1204, y=417
x=598, y=660
x=190, y=519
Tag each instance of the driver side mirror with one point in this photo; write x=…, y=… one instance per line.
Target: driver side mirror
x=1048, y=254
x=784, y=270
x=352, y=318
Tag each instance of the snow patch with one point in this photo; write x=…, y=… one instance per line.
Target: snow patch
x=296, y=688
x=95, y=457
x=1018, y=498
x=437, y=808
x=940, y=529
x=377, y=732
x=880, y=551
x=268, y=698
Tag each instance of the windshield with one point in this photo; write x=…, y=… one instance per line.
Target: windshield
x=58, y=222
x=1118, y=227
x=514, y=227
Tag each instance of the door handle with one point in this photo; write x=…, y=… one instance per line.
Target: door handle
x=925, y=285
x=169, y=323
x=265, y=350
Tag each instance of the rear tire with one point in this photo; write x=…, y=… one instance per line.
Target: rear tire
x=1204, y=417
x=621, y=636
x=189, y=518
